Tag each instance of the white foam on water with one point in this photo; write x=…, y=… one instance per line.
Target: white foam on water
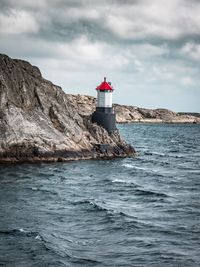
x=159, y=154
x=127, y=165
x=38, y=237
x=174, y=141
x=131, y=166
x=118, y=181
x=22, y=230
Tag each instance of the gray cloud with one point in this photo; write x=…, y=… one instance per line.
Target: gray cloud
x=146, y=46
x=125, y=20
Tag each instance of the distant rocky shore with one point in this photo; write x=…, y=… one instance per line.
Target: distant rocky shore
x=132, y=114
x=39, y=122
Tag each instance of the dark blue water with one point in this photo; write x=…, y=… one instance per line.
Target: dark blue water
x=142, y=211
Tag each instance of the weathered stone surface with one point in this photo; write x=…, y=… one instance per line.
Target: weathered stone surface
x=38, y=121
x=129, y=114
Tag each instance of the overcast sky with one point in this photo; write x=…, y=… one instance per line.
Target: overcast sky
x=148, y=49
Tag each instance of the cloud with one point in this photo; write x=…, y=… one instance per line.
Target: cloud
x=23, y=4
x=146, y=50
x=172, y=19
x=191, y=50
x=146, y=47
x=187, y=81
x=128, y=20
x=160, y=73
x=17, y=22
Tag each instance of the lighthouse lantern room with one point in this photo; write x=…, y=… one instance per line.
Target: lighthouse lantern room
x=104, y=114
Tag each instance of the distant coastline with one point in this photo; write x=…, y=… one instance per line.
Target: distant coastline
x=133, y=114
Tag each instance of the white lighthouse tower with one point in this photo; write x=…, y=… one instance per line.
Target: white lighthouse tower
x=104, y=95
x=104, y=114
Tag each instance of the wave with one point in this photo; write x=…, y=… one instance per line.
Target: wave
x=194, y=171
x=176, y=156
x=150, y=193
x=138, y=189
x=126, y=182
x=22, y=232
x=90, y=203
x=128, y=165
x=146, y=170
x=40, y=189
x=173, y=150
x=155, y=154
x=102, y=207
x=173, y=153
x=174, y=141
x=49, y=246
x=131, y=166
x=65, y=252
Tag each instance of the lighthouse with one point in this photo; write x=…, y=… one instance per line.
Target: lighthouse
x=104, y=114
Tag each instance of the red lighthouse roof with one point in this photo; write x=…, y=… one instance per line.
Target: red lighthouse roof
x=105, y=86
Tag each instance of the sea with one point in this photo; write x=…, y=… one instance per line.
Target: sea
x=138, y=211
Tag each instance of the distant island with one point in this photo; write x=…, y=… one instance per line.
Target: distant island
x=132, y=114
x=39, y=122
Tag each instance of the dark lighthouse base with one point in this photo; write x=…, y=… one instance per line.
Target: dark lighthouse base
x=105, y=119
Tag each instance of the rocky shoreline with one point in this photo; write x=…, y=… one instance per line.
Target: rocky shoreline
x=39, y=122
x=65, y=156
x=132, y=114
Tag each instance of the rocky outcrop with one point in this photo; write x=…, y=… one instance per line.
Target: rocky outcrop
x=130, y=114
x=39, y=122
x=126, y=114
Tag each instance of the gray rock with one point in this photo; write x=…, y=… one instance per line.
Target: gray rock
x=130, y=114
x=39, y=122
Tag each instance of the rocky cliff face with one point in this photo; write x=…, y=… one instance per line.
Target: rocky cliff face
x=129, y=114
x=38, y=121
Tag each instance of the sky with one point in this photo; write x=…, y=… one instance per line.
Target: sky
x=148, y=49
